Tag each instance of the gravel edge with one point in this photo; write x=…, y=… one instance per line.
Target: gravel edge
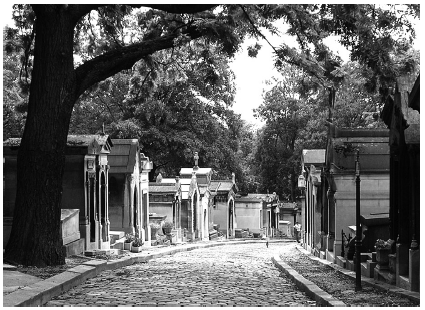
x=413, y=296
x=321, y=297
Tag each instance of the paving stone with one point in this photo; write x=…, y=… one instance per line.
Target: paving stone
x=225, y=276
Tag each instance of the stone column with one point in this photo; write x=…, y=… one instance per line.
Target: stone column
x=325, y=208
x=140, y=206
x=126, y=209
x=86, y=224
x=108, y=224
x=130, y=180
x=331, y=219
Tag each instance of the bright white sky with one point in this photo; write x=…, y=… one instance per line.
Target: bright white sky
x=251, y=73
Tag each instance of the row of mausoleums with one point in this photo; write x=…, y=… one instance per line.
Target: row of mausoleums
x=107, y=195
x=105, y=191
x=389, y=193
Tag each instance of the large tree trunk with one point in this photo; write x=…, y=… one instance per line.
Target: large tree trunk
x=35, y=238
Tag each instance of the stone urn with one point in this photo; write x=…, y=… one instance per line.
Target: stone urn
x=382, y=258
x=154, y=232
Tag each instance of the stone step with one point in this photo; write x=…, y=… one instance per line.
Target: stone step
x=118, y=244
x=364, y=257
x=114, y=235
x=350, y=265
x=367, y=269
x=9, y=267
x=404, y=282
x=102, y=252
x=341, y=261
x=74, y=248
x=330, y=256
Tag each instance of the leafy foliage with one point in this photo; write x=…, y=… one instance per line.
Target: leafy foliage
x=176, y=103
x=378, y=36
x=15, y=91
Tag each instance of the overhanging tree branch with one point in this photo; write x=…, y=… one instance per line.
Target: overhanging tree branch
x=112, y=62
x=256, y=29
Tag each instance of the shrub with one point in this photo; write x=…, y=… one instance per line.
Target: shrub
x=137, y=242
x=129, y=238
x=383, y=245
x=168, y=224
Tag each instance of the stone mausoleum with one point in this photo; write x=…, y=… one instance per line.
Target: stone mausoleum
x=128, y=190
x=85, y=192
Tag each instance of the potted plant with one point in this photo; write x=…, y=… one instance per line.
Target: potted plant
x=383, y=249
x=136, y=246
x=129, y=238
x=167, y=227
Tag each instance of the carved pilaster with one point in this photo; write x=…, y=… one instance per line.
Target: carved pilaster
x=130, y=178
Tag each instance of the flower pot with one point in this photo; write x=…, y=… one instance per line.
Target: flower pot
x=167, y=230
x=127, y=246
x=382, y=258
x=136, y=249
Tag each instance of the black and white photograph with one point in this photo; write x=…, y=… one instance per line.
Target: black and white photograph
x=211, y=155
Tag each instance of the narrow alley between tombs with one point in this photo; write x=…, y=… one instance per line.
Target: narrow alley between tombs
x=229, y=275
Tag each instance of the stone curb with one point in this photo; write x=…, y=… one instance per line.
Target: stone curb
x=413, y=296
x=322, y=298
x=39, y=293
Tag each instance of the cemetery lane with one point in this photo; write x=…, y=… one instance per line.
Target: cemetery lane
x=229, y=275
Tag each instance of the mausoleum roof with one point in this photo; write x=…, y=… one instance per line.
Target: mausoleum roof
x=221, y=185
x=316, y=156
x=85, y=140
x=123, y=156
x=199, y=171
x=162, y=187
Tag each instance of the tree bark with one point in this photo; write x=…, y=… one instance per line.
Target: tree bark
x=35, y=238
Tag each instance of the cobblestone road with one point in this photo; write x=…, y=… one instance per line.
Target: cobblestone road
x=229, y=275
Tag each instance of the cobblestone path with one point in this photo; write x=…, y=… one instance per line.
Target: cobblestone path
x=230, y=275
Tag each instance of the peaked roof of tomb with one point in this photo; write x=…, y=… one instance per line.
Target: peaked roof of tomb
x=123, y=156
x=252, y=198
x=162, y=187
x=222, y=186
